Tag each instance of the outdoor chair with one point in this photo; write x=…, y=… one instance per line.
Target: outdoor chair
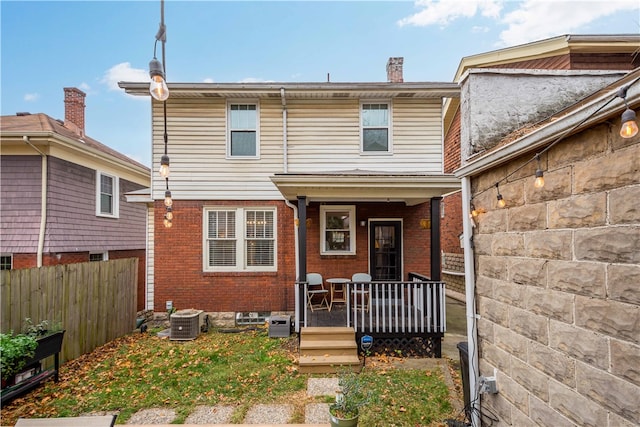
x=315, y=289
x=361, y=295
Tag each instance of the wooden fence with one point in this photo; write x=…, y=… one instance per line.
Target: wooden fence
x=94, y=301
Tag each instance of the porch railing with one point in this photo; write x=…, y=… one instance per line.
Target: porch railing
x=414, y=307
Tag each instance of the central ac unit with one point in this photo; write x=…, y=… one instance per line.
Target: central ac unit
x=185, y=324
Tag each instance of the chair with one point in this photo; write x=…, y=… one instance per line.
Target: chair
x=315, y=288
x=363, y=302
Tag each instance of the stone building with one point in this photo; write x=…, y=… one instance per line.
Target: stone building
x=552, y=277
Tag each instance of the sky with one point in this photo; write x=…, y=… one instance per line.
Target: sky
x=91, y=45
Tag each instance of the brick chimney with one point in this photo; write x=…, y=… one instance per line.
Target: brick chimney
x=74, y=109
x=394, y=70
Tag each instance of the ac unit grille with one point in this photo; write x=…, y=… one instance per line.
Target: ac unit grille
x=185, y=325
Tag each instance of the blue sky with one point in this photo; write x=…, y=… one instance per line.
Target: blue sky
x=91, y=45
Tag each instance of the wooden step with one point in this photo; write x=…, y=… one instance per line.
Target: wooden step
x=328, y=364
x=324, y=349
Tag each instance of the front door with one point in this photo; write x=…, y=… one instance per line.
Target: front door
x=385, y=250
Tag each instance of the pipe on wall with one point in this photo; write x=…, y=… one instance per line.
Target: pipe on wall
x=285, y=148
x=43, y=202
x=472, y=329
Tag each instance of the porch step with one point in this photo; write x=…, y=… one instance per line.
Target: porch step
x=323, y=350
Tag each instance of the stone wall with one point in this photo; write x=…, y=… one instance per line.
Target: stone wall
x=558, y=285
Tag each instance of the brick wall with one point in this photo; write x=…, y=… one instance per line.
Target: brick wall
x=557, y=285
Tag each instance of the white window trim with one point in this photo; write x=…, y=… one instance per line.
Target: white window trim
x=256, y=102
x=389, y=128
x=116, y=195
x=240, y=239
x=352, y=228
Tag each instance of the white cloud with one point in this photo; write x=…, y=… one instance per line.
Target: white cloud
x=443, y=12
x=208, y=80
x=123, y=73
x=84, y=87
x=31, y=97
x=540, y=19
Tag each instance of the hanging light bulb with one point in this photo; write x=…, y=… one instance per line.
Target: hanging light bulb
x=169, y=214
x=167, y=199
x=539, y=182
x=158, y=87
x=167, y=222
x=164, y=166
x=501, y=201
x=629, y=126
x=474, y=211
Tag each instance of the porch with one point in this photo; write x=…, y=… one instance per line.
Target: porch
x=407, y=316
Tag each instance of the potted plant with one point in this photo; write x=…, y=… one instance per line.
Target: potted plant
x=15, y=351
x=349, y=399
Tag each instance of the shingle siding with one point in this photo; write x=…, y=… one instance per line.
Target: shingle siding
x=20, y=184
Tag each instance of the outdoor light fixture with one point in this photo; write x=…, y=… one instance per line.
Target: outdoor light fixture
x=501, y=202
x=169, y=214
x=164, y=166
x=158, y=87
x=629, y=127
x=168, y=202
x=539, y=182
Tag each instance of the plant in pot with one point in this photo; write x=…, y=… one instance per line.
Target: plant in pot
x=352, y=396
x=15, y=351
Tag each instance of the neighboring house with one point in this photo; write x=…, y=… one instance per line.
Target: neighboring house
x=62, y=194
x=553, y=276
x=273, y=180
x=580, y=64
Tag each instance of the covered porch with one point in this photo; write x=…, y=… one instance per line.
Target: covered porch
x=389, y=228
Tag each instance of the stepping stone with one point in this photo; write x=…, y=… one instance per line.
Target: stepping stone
x=322, y=386
x=153, y=416
x=316, y=413
x=269, y=414
x=219, y=414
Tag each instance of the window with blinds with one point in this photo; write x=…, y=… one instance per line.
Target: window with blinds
x=240, y=239
x=107, y=195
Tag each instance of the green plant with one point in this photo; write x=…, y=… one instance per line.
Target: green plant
x=352, y=396
x=14, y=352
x=45, y=327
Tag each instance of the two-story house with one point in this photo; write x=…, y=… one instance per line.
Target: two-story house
x=62, y=194
x=270, y=181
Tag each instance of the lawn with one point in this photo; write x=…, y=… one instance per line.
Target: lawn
x=241, y=369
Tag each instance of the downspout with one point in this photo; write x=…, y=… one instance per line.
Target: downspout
x=285, y=148
x=291, y=205
x=472, y=330
x=43, y=202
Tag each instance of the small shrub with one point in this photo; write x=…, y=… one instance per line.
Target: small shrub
x=14, y=352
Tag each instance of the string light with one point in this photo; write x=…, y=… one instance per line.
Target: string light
x=168, y=202
x=629, y=127
x=164, y=166
x=501, y=202
x=539, y=182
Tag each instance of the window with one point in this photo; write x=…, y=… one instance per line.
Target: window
x=107, y=195
x=99, y=256
x=243, y=130
x=240, y=239
x=375, y=128
x=6, y=262
x=337, y=225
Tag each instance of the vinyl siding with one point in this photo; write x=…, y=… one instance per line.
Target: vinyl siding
x=322, y=135
x=20, y=185
x=150, y=259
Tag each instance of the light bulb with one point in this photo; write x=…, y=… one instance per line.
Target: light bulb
x=167, y=199
x=501, y=201
x=158, y=87
x=164, y=166
x=629, y=126
x=169, y=214
x=167, y=222
x=474, y=213
x=539, y=182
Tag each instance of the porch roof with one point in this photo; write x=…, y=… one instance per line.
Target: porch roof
x=365, y=186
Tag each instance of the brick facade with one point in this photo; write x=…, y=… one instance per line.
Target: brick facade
x=557, y=285
x=180, y=277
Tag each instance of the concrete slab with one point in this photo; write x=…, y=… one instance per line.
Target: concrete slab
x=265, y=414
x=322, y=386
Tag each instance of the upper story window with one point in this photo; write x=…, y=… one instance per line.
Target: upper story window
x=375, y=125
x=240, y=239
x=337, y=228
x=6, y=262
x=243, y=136
x=107, y=197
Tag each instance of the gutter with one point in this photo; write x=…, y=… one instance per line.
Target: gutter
x=296, y=221
x=470, y=287
x=43, y=203
x=285, y=148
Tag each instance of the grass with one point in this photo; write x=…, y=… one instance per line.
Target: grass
x=241, y=369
